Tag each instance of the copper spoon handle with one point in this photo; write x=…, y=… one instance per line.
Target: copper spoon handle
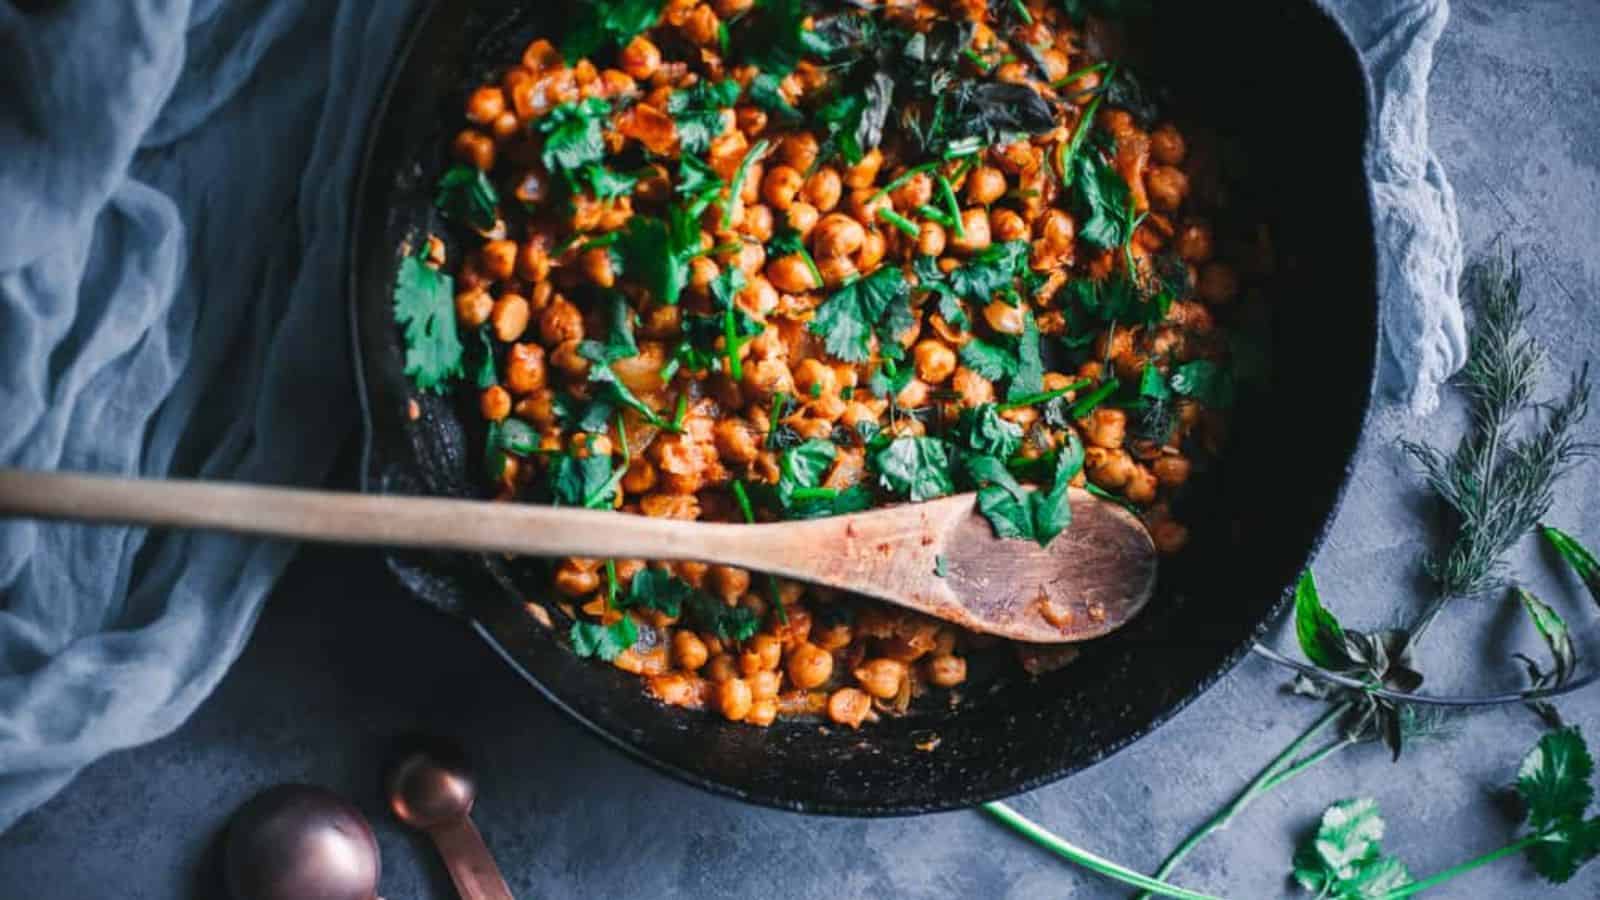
x=467, y=857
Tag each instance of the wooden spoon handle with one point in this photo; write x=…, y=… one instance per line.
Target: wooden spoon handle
x=346, y=518
x=471, y=866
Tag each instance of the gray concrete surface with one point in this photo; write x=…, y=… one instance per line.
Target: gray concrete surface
x=1517, y=113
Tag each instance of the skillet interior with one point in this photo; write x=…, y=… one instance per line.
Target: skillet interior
x=1279, y=80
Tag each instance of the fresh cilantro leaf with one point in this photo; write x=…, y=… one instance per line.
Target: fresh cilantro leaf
x=619, y=342
x=1153, y=385
x=766, y=91
x=1103, y=203
x=1029, y=377
x=1001, y=498
x=1052, y=509
x=660, y=590
x=992, y=274
x=776, y=36
x=1554, y=783
x=587, y=482
x=981, y=430
x=596, y=24
x=1117, y=299
x=989, y=360
x=917, y=468
x=606, y=184
x=1345, y=859
x=877, y=304
x=487, y=376
x=610, y=388
x=1322, y=638
x=931, y=279
x=655, y=253
x=696, y=178
x=466, y=195
x=424, y=305
x=1205, y=381
x=728, y=623
x=516, y=437
x=698, y=111
x=574, y=135
x=1577, y=556
x=799, y=493
x=605, y=641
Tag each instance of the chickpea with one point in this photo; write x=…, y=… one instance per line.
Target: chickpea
x=802, y=217
x=720, y=668
x=734, y=698
x=814, y=378
x=597, y=268
x=931, y=239
x=946, y=671
x=575, y=581
x=881, y=677
x=837, y=235
x=865, y=172
x=641, y=476
x=791, y=275
x=727, y=582
x=935, y=361
x=985, y=185
x=567, y=359
x=917, y=191
x=1003, y=317
x=688, y=651
x=849, y=706
x=856, y=413
x=475, y=149
x=809, y=666
x=1108, y=428
x=764, y=684
x=533, y=261
x=751, y=120
x=672, y=689
x=494, y=403
x=762, y=712
x=823, y=189
x=1172, y=471
x=1218, y=283
x=873, y=248
x=701, y=28
x=1167, y=146
x=509, y=317
x=758, y=223
x=914, y=395
x=767, y=378
x=1142, y=485
x=1169, y=536
x=736, y=441
x=525, y=368
x=560, y=322
x=799, y=151
x=760, y=653
x=1195, y=244
x=640, y=59
x=485, y=105
x=1110, y=469
x=781, y=186
x=975, y=225
x=1167, y=186
x=1056, y=232
x=973, y=388
x=1056, y=65
x=473, y=307
x=498, y=259
x=836, y=636
x=1007, y=225
x=759, y=296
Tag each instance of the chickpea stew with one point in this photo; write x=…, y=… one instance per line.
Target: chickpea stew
x=750, y=260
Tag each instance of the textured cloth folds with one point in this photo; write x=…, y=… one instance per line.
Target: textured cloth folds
x=175, y=177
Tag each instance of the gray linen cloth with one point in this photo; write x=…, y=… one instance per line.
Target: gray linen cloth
x=174, y=182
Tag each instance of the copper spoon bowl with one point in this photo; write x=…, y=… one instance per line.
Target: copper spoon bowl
x=431, y=790
x=299, y=842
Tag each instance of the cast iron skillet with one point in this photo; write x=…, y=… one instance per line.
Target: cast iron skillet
x=1276, y=77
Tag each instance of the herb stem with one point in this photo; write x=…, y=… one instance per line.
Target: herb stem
x=1044, y=396
x=904, y=177
x=1039, y=835
x=1070, y=77
x=780, y=405
x=1022, y=10
x=906, y=226
x=1090, y=402
x=730, y=335
x=1510, y=849
x=1280, y=769
x=1070, y=149
x=948, y=193
x=739, y=176
x=934, y=214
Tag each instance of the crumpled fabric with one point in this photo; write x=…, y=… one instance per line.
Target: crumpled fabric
x=175, y=177
x=1420, y=254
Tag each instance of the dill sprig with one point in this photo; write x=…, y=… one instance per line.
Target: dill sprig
x=1496, y=486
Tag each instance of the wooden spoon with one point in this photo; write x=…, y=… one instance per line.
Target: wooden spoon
x=1090, y=581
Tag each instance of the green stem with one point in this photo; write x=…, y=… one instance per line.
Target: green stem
x=1034, y=832
x=1264, y=781
x=1307, y=763
x=1426, y=883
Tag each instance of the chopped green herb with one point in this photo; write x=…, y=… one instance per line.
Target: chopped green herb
x=742, y=173
x=940, y=567
x=596, y=24
x=605, y=641
x=906, y=226
x=466, y=195
x=916, y=468
x=698, y=112
x=574, y=135
x=877, y=304
x=424, y=305
x=1206, y=381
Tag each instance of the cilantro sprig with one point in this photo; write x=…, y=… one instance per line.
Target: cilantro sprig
x=424, y=305
x=466, y=195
